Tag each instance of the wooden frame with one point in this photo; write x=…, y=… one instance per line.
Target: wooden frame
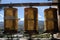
x=30, y=4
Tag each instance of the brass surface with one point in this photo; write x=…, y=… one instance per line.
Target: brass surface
x=10, y=20
x=31, y=19
x=51, y=20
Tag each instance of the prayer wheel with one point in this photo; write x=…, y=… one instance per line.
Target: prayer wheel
x=51, y=20
x=31, y=20
x=10, y=20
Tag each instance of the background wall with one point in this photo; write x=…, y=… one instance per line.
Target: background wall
x=55, y=0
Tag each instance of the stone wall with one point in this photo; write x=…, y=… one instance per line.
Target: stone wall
x=55, y=0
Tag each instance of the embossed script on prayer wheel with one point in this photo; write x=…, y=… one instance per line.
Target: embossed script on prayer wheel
x=31, y=20
x=10, y=20
x=51, y=20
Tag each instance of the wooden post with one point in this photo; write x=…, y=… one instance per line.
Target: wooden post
x=58, y=35
x=59, y=6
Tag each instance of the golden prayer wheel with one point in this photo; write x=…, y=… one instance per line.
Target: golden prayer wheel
x=10, y=20
x=51, y=20
x=31, y=20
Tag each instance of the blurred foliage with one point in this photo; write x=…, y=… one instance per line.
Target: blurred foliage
x=47, y=35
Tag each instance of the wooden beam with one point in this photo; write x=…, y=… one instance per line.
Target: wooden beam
x=29, y=4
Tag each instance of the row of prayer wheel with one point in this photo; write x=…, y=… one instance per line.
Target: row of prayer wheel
x=30, y=20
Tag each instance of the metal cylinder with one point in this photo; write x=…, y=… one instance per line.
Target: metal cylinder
x=31, y=20
x=10, y=20
x=51, y=20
